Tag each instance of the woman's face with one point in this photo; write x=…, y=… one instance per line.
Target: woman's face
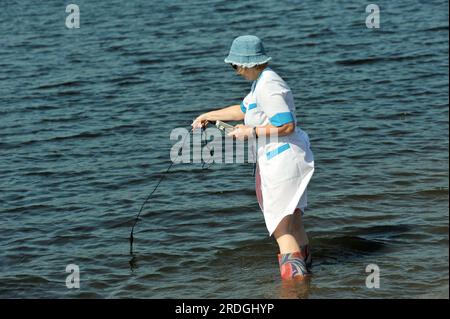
x=247, y=73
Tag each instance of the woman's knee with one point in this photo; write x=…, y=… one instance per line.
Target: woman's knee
x=285, y=227
x=297, y=218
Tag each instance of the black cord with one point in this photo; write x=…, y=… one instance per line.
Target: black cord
x=164, y=175
x=210, y=151
x=161, y=179
x=154, y=190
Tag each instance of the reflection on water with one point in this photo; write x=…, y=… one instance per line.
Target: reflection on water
x=295, y=289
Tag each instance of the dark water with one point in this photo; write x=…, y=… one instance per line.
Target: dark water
x=85, y=118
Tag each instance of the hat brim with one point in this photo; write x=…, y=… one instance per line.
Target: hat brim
x=247, y=61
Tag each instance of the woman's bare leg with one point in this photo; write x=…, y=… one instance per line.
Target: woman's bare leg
x=298, y=229
x=291, y=260
x=285, y=237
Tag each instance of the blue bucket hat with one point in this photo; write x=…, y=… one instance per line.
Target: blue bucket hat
x=247, y=51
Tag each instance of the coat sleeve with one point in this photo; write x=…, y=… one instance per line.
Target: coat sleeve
x=272, y=99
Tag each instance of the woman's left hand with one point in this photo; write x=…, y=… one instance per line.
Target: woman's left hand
x=241, y=132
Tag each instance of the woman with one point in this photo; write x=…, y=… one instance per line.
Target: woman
x=284, y=166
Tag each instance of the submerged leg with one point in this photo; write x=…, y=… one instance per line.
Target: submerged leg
x=292, y=263
x=302, y=237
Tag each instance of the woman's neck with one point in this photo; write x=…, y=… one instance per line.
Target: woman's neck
x=259, y=72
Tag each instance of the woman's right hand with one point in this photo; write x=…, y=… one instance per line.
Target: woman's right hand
x=199, y=122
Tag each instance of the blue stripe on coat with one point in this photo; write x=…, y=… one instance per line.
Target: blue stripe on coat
x=277, y=151
x=243, y=109
x=251, y=106
x=281, y=119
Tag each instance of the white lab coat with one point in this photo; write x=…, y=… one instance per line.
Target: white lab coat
x=286, y=165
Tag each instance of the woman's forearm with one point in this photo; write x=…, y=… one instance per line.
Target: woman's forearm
x=283, y=130
x=230, y=113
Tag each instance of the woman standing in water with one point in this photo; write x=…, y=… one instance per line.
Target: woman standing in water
x=284, y=167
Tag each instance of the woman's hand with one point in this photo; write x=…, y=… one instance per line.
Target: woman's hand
x=241, y=132
x=199, y=122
